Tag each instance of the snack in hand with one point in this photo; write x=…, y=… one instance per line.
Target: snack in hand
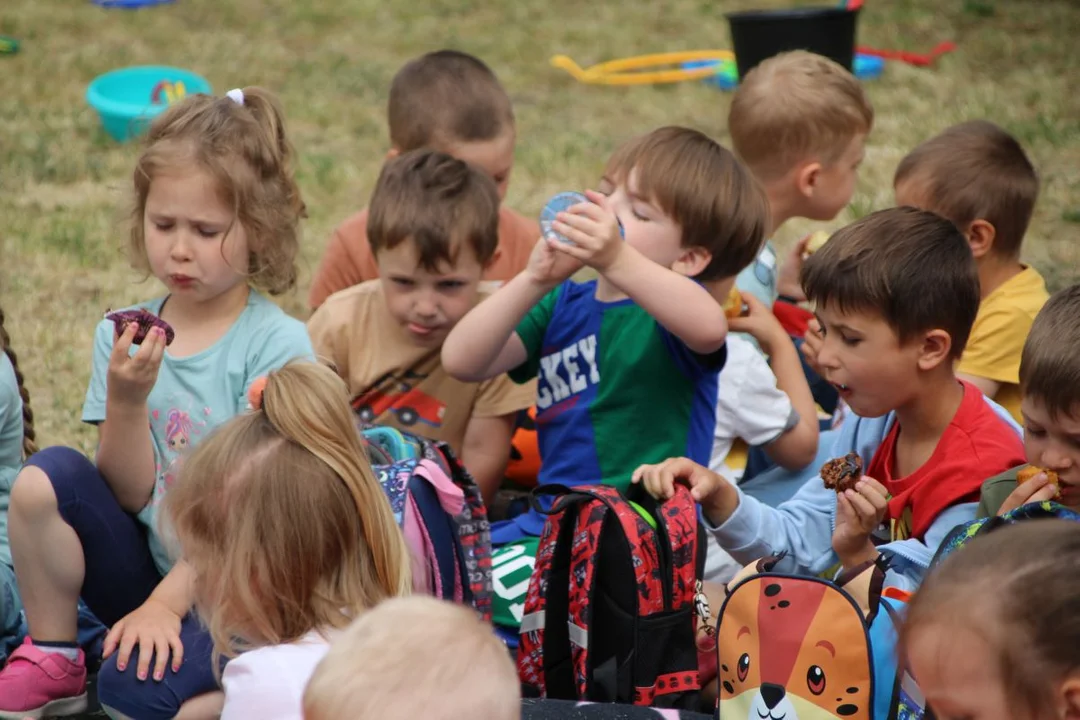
x=841, y=474
x=734, y=306
x=144, y=319
x=816, y=241
x=1031, y=471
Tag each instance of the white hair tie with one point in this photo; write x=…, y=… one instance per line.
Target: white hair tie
x=236, y=95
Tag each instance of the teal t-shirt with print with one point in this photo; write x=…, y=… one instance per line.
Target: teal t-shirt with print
x=195, y=394
x=11, y=440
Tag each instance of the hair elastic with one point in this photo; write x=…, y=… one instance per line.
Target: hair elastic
x=236, y=95
x=255, y=392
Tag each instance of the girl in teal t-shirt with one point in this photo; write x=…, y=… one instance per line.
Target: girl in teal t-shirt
x=216, y=221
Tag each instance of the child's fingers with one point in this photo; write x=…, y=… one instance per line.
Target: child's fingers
x=162, y=645
x=122, y=342
x=1034, y=490
x=112, y=639
x=864, y=510
x=598, y=198
x=123, y=652
x=572, y=249
x=874, y=492
x=177, y=646
x=146, y=654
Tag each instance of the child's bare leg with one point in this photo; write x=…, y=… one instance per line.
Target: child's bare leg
x=202, y=707
x=48, y=558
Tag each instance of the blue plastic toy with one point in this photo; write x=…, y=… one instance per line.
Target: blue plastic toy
x=561, y=203
x=130, y=4
x=129, y=98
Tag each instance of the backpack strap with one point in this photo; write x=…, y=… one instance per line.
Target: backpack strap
x=443, y=537
x=677, y=517
x=544, y=662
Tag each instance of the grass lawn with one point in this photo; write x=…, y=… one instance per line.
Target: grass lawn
x=64, y=184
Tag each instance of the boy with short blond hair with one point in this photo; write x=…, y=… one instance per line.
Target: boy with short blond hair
x=433, y=231
x=799, y=121
x=417, y=658
x=1050, y=404
x=449, y=101
x=628, y=362
x=978, y=176
x=896, y=294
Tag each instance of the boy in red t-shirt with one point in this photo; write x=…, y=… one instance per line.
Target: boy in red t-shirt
x=896, y=293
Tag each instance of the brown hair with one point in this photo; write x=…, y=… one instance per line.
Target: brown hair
x=439, y=203
x=245, y=149
x=283, y=520
x=796, y=107
x=1050, y=363
x=701, y=186
x=446, y=97
x=415, y=658
x=911, y=267
x=976, y=171
x=29, y=447
x=1016, y=587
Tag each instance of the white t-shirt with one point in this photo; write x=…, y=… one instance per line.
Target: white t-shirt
x=268, y=683
x=749, y=405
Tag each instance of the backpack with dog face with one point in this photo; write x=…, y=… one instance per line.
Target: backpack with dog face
x=611, y=611
x=801, y=647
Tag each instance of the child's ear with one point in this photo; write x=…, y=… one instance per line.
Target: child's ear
x=692, y=261
x=807, y=177
x=392, y=153
x=980, y=236
x=935, y=349
x=1069, y=698
x=494, y=258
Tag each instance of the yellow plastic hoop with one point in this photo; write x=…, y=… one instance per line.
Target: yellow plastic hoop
x=634, y=70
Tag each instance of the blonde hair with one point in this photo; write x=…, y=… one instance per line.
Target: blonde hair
x=415, y=658
x=795, y=107
x=245, y=149
x=283, y=520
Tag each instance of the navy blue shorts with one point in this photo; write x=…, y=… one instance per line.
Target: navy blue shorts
x=120, y=575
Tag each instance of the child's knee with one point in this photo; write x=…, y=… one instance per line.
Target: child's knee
x=32, y=494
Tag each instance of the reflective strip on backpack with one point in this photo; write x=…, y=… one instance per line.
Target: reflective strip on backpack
x=533, y=622
x=578, y=635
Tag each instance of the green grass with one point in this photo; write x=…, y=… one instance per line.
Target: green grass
x=63, y=183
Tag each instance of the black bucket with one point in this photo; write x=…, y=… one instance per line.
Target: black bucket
x=759, y=34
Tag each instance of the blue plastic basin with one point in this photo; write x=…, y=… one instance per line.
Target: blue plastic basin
x=124, y=98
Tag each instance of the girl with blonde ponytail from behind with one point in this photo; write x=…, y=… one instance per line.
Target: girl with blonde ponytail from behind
x=289, y=534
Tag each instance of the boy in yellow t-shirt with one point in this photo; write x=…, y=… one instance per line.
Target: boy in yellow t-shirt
x=978, y=176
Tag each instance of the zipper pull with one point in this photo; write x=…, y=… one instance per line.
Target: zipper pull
x=704, y=614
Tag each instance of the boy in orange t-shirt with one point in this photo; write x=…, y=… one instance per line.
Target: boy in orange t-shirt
x=451, y=102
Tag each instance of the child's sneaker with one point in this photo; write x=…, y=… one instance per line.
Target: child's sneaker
x=39, y=684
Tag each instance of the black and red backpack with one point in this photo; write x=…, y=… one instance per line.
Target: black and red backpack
x=611, y=614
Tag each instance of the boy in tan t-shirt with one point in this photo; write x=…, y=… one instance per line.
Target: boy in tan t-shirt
x=452, y=102
x=433, y=231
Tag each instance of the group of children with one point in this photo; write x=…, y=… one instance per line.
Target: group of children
x=267, y=584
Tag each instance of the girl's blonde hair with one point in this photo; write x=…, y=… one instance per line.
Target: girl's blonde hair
x=283, y=520
x=1017, y=587
x=245, y=148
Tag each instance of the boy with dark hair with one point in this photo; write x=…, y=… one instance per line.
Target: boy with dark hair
x=978, y=176
x=1050, y=405
x=433, y=231
x=896, y=294
x=452, y=102
x=627, y=363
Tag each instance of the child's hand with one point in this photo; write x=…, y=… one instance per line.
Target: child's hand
x=1037, y=489
x=594, y=230
x=131, y=378
x=811, y=347
x=547, y=267
x=156, y=630
x=858, y=513
x=760, y=323
x=787, y=278
x=717, y=497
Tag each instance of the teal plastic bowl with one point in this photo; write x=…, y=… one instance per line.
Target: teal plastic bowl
x=123, y=98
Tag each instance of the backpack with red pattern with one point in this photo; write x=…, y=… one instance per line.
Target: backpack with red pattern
x=610, y=614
